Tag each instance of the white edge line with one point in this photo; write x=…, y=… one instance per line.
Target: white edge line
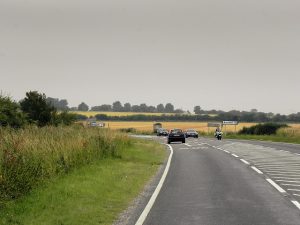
x=257, y=170
x=148, y=207
x=244, y=161
x=296, y=203
x=276, y=186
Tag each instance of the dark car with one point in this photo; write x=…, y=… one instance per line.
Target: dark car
x=191, y=133
x=176, y=135
x=162, y=132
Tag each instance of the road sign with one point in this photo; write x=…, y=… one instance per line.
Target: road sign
x=230, y=122
x=213, y=124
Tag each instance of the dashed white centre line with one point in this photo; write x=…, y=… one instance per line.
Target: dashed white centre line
x=235, y=155
x=226, y=151
x=296, y=203
x=257, y=170
x=276, y=186
x=244, y=161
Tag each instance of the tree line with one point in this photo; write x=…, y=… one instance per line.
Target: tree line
x=117, y=106
x=39, y=109
x=259, y=117
x=33, y=109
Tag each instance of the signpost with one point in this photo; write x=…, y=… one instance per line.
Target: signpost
x=235, y=123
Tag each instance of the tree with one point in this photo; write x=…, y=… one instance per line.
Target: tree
x=179, y=111
x=197, y=110
x=127, y=107
x=151, y=109
x=143, y=107
x=36, y=108
x=10, y=113
x=102, y=108
x=160, y=108
x=83, y=107
x=135, y=108
x=61, y=105
x=117, y=106
x=169, y=108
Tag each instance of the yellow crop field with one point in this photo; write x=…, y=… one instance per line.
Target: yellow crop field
x=89, y=113
x=148, y=126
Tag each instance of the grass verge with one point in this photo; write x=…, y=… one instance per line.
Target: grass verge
x=92, y=194
x=273, y=138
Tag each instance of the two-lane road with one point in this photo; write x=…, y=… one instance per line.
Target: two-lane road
x=212, y=183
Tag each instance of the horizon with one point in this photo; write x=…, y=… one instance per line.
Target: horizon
x=155, y=105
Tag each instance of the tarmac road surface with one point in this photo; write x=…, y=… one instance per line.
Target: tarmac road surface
x=229, y=182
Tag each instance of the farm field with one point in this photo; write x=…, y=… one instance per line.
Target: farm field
x=199, y=126
x=148, y=126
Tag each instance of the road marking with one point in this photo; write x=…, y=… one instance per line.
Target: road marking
x=257, y=170
x=289, y=181
x=296, y=194
x=234, y=155
x=276, y=186
x=280, y=171
x=148, y=207
x=184, y=148
x=284, y=174
x=244, y=161
x=293, y=185
x=226, y=151
x=297, y=190
x=188, y=145
x=290, y=178
x=296, y=203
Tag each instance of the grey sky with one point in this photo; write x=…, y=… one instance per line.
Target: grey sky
x=232, y=54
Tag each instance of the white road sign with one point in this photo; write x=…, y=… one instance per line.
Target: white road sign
x=230, y=122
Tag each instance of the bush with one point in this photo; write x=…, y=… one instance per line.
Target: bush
x=29, y=156
x=10, y=113
x=262, y=129
x=37, y=110
x=65, y=118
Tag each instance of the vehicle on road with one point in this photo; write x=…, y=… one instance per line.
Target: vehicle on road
x=218, y=135
x=176, y=135
x=191, y=133
x=162, y=132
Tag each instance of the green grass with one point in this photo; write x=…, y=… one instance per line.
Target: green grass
x=274, y=138
x=93, y=194
x=32, y=155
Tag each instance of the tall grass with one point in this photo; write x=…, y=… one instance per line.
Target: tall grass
x=29, y=156
x=289, y=132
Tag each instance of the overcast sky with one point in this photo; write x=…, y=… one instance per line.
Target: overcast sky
x=221, y=54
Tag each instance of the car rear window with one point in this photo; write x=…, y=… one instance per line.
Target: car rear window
x=175, y=131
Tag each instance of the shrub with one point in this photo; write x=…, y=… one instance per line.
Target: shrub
x=10, y=113
x=262, y=129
